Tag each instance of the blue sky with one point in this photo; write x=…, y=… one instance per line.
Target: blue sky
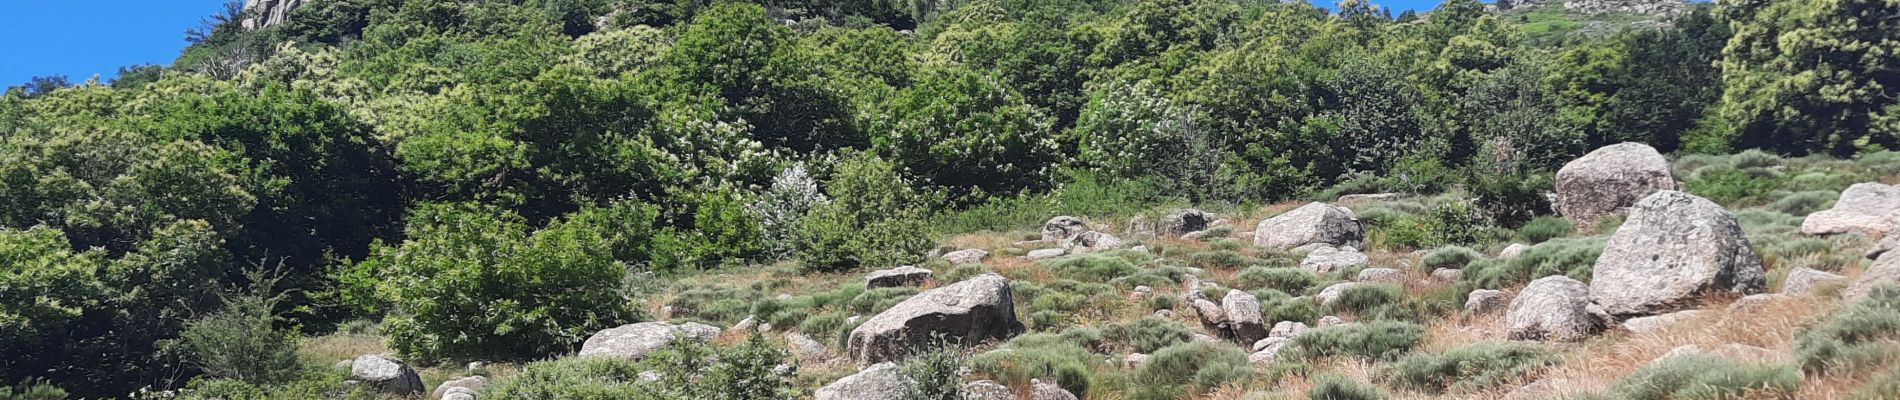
x=80, y=38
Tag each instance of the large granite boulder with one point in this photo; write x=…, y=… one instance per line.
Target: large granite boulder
x=971, y=311
x=1610, y=179
x=1554, y=308
x=1061, y=229
x=897, y=277
x=881, y=381
x=1884, y=271
x=386, y=375
x=1674, y=247
x=634, y=341
x=1326, y=259
x=1870, y=209
x=1244, y=316
x=1310, y=224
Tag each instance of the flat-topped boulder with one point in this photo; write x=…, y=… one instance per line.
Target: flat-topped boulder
x=966, y=256
x=1674, y=248
x=881, y=381
x=1310, y=224
x=635, y=341
x=1326, y=259
x=897, y=277
x=1870, y=209
x=387, y=376
x=1485, y=301
x=1610, y=179
x=971, y=311
x=1554, y=308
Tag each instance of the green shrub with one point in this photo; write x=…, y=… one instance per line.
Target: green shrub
x=469, y=283
x=1453, y=222
x=1569, y=257
x=1454, y=257
x=1795, y=247
x=1092, y=267
x=1734, y=186
x=32, y=391
x=1290, y=280
x=240, y=342
x=1882, y=386
x=1864, y=334
x=1382, y=340
x=1148, y=334
x=1036, y=356
x=1509, y=200
x=1545, y=228
x=1331, y=386
x=1368, y=296
x=1468, y=368
x=936, y=376
x=1222, y=259
x=1291, y=309
x=312, y=383
x=1804, y=203
x=1198, y=366
x=875, y=219
x=1706, y=376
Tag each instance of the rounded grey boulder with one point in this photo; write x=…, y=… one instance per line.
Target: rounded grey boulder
x=1674, y=248
x=1870, y=209
x=1610, y=179
x=1554, y=308
x=1310, y=224
x=971, y=311
x=634, y=341
x=882, y=381
x=897, y=277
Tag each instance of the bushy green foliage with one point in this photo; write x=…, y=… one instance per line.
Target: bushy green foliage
x=1862, y=335
x=1882, y=386
x=1454, y=257
x=1096, y=267
x=1804, y=203
x=935, y=374
x=1706, y=376
x=872, y=221
x=1569, y=257
x=1290, y=280
x=1543, y=229
x=1037, y=356
x=1450, y=223
x=1376, y=340
x=1338, y=387
x=469, y=283
x=687, y=370
x=1363, y=297
x=240, y=341
x=1468, y=368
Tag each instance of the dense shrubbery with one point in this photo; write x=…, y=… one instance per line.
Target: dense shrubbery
x=1863, y=335
x=685, y=370
x=1454, y=257
x=1192, y=367
x=1375, y=340
x=1569, y=257
x=1290, y=280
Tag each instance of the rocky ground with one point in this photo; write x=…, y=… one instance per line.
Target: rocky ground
x=1323, y=300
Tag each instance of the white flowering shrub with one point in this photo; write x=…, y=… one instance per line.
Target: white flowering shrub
x=780, y=209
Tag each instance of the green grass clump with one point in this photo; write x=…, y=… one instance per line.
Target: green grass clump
x=1383, y=340
x=1882, y=386
x=1705, y=376
x=1148, y=334
x=1222, y=259
x=1368, y=296
x=1040, y=356
x=1332, y=386
x=1194, y=367
x=1804, y=203
x=1569, y=257
x=737, y=372
x=1862, y=335
x=1468, y=368
x=1092, y=267
x=1543, y=229
x=1290, y=280
x=1454, y=257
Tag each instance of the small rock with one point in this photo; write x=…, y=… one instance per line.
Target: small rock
x=897, y=277
x=1889, y=242
x=1514, y=250
x=1044, y=254
x=1243, y=315
x=1380, y=275
x=749, y=324
x=805, y=348
x=473, y=384
x=1803, y=280
x=1063, y=228
x=1164, y=313
x=1263, y=344
x=460, y=393
x=987, y=390
x=1367, y=198
x=1040, y=390
x=1094, y=241
x=1325, y=260
x=1288, y=329
x=1885, y=271
x=1141, y=293
x=1134, y=360
x=966, y=256
x=1330, y=321
x=1268, y=352
x=1448, y=274
x=1484, y=301
x=1654, y=324
x=650, y=376
x=1331, y=294
x=1756, y=303
x=1554, y=308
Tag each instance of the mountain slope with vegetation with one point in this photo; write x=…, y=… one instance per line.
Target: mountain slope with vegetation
x=442, y=193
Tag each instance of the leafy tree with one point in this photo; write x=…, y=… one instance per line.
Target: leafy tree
x=1808, y=76
x=971, y=133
